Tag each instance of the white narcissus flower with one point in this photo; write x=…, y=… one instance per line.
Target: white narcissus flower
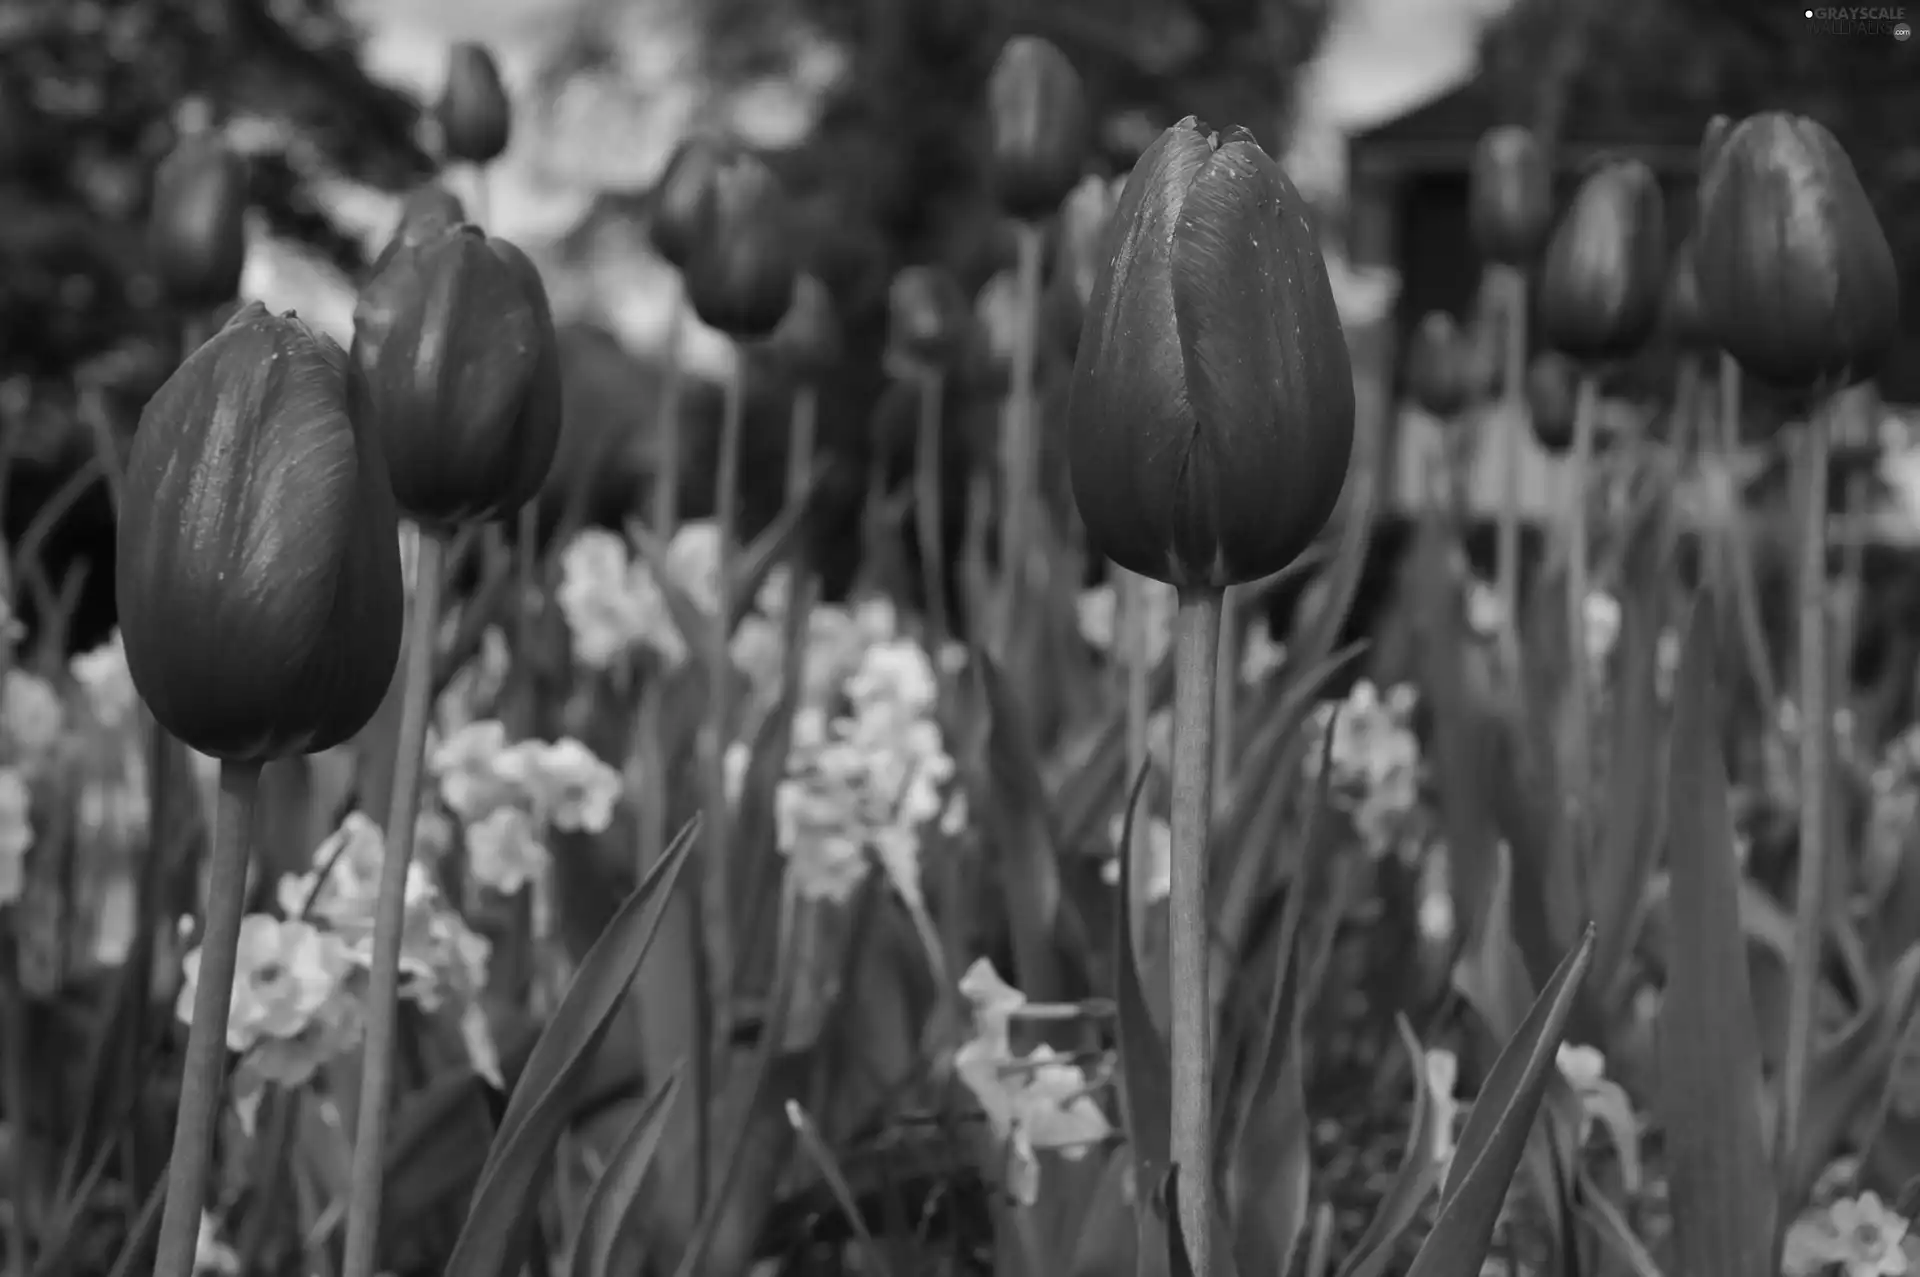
x=1857, y=1236
x=105, y=682
x=33, y=719
x=575, y=790
x=291, y=1011
x=504, y=851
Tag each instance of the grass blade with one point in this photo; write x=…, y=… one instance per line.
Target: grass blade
x=1708, y=1045
x=1419, y=1173
x=1498, y=1128
x=541, y=1104
x=613, y=1195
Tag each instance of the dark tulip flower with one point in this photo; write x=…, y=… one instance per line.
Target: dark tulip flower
x=808, y=338
x=429, y=212
x=1553, y=393
x=197, y=230
x=928, y=320
x=476, y=119
x=259, y=563
x=741, y=273
x=683, y=199
x=1439, y=366
x=456, y=369
x=1510, y=200
x=1605, y=274
x=1796, y=278
x=1038, y=114
x=1211, y=419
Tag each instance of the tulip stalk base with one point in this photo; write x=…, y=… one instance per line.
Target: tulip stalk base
x=665, y=510
x=204, y=1078
x=1019, y=520
x=1579, y=778
x=1197, y=640
x=1514, y=390
x=389, y=924
x=1816, y=722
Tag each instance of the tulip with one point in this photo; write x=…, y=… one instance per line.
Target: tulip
x=259, y=574
x=1038, y=116
x=1510, y=199
x=1604, y=277
x=1438, y=366
x=475, y=117
x=740, y=276
x=1211, y=419
x=683, y=199
x=1712, y=138
x=197, y=230
x=428, y=212
x=808, y=338
x=456, y=369
x=928, y=320
x=1796, y=278
x=1553, y=384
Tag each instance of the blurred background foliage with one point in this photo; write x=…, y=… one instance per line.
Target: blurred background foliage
x=879, y=138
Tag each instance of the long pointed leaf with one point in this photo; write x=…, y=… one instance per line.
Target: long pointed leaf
x=613, y=1195
x=1723, y=1197
x=1417, y=1176
x=541, y=1104
x=1498, y=1127
x=1146, y=1068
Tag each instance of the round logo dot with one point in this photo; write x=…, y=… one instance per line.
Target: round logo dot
x=1901, y=31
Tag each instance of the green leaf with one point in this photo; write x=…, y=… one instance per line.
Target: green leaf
x=1498, y=1128
x=1630, y=834
x=619, y=1185
x=1708, y=1046
x=542, y=1102
x=1014, y=803
x=1146, y=1069
x=1417, y=1176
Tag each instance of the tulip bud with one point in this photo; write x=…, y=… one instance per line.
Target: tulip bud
x=258, y=550
x=1211, y=419
x=1711, y=140
x=197, y=230
x=1038, y=113
x=476, y=119
x=1084, y=218
x=1553, y=385
x=741, y=273
x=1510, y=198
x=1684, y=316
x=683, y=199
x=808, y=339
x=1438, y=366
x=1604, y=277
x=928, y=320
x=456, y=370
x=430, y=211
x=1796, y=278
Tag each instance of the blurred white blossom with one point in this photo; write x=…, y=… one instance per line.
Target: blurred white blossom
x=1375, y=760
x=1602, y=613
x=1603, y=1102
x=1856, y=1236
x=1100, y=616
x=1260, y=654
x=1038, y=1101
x=105, y=682
x=16, y=833
x=210, y=1254
x=613, y=605
x=33, y=719
x=1443, y=1077
x=504, y=851
x=291, y=1009
x=1157, y=837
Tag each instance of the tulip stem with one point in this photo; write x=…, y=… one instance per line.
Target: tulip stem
x=1579, y=778
x=1020, y=455
x=1815, y=722
x=1133, y=636
x=1514, y=387
x=1746, y=593
x=390, y=915
x=1197, y=635
x=929, y=509
x=666, y=470
x=204, y=1076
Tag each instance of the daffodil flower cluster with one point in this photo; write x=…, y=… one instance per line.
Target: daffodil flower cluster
x=867, y=771
x=1039, y=1100
x=613, y=604
x=508, y=794
x=1375, y=761
x=1853, y=1236
x=293, y=1008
